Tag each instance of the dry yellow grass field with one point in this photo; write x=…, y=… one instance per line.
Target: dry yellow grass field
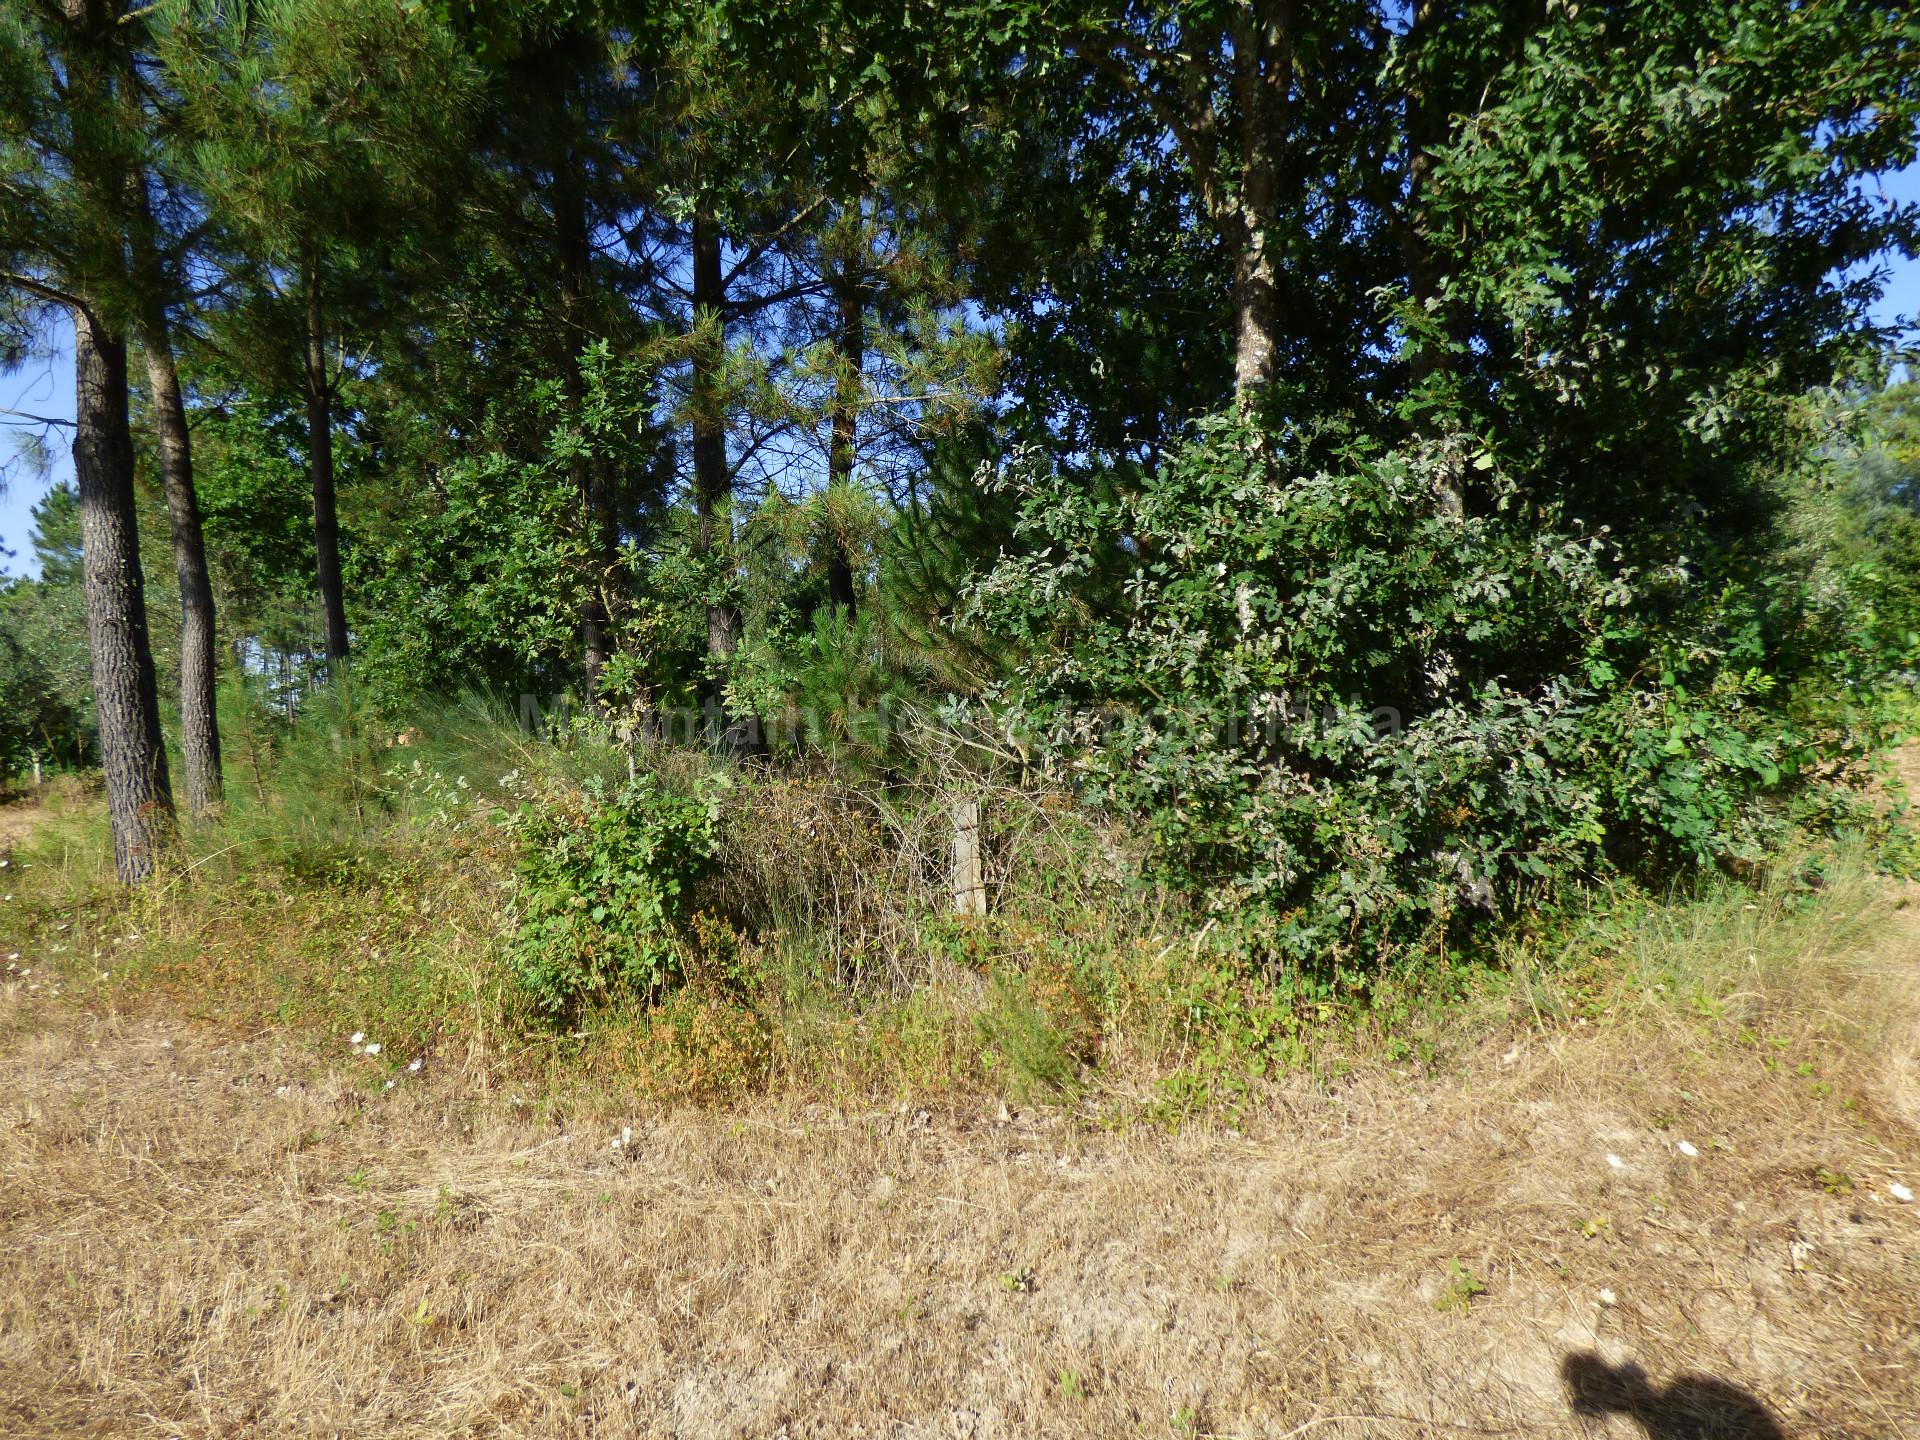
x=1660, y=1227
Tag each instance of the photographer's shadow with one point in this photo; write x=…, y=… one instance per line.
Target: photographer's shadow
x=1693, y=1407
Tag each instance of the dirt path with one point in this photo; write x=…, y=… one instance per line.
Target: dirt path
x=17, y=821
x=208, y=1237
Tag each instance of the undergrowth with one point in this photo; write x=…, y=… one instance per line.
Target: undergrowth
x=571, y=913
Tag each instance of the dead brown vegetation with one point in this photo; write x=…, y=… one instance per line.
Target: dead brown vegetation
x=207, y=1235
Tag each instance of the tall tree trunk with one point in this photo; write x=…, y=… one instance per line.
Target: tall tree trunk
x=1411, y=230
x=199, y=720
x=592, y=477
x=1255, y=313
x=712, y=479
x=850, y=343
x=326, y=515
x=1262, y=80
x=1428, y=360
x=126, y=700
x=139, y=800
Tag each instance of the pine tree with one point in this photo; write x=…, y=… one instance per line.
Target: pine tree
x=64, y=235
x=324, y=138
x=199, y=632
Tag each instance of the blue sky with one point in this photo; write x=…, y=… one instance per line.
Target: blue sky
x=44, y=387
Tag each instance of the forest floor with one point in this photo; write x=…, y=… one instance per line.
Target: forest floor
x=1668, y=1226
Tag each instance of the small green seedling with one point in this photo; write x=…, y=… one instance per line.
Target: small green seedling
x=1463, y=1286
x=1834, y=1182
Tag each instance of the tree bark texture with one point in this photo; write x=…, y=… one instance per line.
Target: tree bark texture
x=850, y=339
x=592, y=477
x=712, y=478
x=126, y=700
x=199, y=680
x=199, y=720
x=1262, y=79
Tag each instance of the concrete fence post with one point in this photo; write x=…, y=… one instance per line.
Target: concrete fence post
x=969, y=880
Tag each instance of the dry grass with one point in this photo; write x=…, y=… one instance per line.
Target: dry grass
x=203, y=1235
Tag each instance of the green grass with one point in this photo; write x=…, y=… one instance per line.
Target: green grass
x=357, y=884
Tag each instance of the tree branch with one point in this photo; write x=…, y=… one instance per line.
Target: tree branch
x=45, y=292
x=1154, y=57
x=766, y=243
x=754, y=304
x=29, y=416
x=1192, y=136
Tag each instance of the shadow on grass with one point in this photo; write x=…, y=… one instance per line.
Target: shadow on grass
x=1693, y=1407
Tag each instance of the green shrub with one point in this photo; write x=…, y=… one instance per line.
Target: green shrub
x=1351, y=720
x=603, y=881
x=1026, y=1045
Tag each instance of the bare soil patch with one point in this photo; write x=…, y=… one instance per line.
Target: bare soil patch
x=17, y=821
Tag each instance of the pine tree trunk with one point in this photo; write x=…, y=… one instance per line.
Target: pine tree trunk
x=712, y=480
x=850, y=338
x=326, y=516
x=199, y=721
x=592, y=477
x=139, y=800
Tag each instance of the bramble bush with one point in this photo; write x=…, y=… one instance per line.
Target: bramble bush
x=603, y=889
x=1352, y=721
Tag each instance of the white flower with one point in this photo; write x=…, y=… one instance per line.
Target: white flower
x=392, y=1083
x=1686, y=1149
x=1616, y=1162
x=373, y=1049
x=1900, y=1192
x=356, y=1037
x=1607, y=1297
x=414, y=1068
